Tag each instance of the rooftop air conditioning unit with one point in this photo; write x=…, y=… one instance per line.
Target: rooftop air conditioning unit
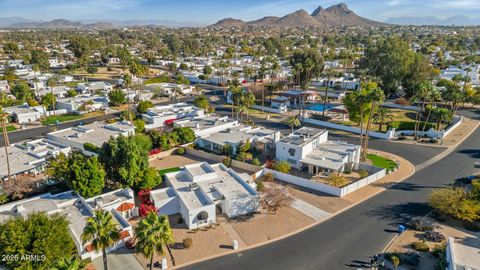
x=193, y=186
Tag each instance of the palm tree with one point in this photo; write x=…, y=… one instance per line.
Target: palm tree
x=154, y=235
x=3, y=122
x=329, y=73
x=65, y=263
x=376, y=97
x=293, y=121
x=422, y=96
x=248, y=99
x=102, y=232
x=442, y=115
x=382, y=117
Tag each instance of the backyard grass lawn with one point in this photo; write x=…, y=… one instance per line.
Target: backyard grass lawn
x=52, y=119
x=382, y=162
x=10, y=128
x=169, y=170
x=398, y=115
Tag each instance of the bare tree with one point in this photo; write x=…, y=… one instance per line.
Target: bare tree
x=275, y=197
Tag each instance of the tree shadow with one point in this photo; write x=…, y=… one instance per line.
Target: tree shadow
x=474, y=153
x=405, y=186
x=399, y=213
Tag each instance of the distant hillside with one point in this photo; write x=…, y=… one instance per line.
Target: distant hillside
x=460, y=20
x=334, y=16
x=61, y=24
x=18, y=22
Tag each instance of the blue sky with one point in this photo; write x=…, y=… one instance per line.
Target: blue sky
x=208, y=11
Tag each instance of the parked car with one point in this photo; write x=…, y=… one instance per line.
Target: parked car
x=477, y=164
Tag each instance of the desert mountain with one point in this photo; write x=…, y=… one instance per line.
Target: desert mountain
x=334, y=16
x=61, y=24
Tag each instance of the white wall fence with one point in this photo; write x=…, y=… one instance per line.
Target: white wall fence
x=267, y=109
x=216, y=158
x=377, y=173
x=398, y=106
x=390, y=134
x=56, y=112
x=379, y=135
x=433, y=133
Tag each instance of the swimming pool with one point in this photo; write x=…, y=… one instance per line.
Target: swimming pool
x=319, y=107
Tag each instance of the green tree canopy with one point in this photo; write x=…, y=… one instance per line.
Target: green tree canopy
x=39, y=234
x=49, y=101
x=143, y=106
x=117, y=97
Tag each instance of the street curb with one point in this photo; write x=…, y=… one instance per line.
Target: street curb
x=299, y=230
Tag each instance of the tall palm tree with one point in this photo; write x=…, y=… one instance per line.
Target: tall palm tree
x=293, y=121
x=375, y=97
x=382, y=117
x=154, y=235
x=422, y=96
x=102, y=232
x=3, y=122
x=329, y=73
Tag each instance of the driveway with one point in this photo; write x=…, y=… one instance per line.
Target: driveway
x=119, y=259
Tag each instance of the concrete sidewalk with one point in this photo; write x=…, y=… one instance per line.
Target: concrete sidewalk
x=119, y=259
x=310, y=210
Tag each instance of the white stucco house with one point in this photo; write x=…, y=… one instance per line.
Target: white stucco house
x=198, y=191
x=25, y=114
x=76, y=209
x=160, y=116
x=310, y=148
x=95, y=133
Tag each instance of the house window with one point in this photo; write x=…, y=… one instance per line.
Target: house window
x=291, y=151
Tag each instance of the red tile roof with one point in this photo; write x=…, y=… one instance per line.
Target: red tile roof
x=124, y=234
x=89, y=247
x=125, y=207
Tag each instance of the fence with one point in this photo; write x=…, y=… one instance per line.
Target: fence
x=379, y=135
x=268, y=109
x=162, y=154
x=377, y=173
x=216, y=158
x=433, y=133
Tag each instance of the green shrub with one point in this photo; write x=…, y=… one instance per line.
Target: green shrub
x=187, y=242
x=420, y=246
x=439, y=250
x=269, y=177
x=256, y=162
x=181, y=150
x=347, y=172
x=283, y=166
x=411, y=126
x=363, y=173
x=227, y=161
x=90, y=147
x=260, y=185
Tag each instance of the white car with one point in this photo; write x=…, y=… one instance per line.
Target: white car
x=477, y=164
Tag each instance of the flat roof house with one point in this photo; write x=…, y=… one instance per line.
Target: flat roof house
x=199, y=190
x=207, y=124
x=82, y=104
x=95, y=133
x=76, y=210
x=463, y=255
x=25, y=114
x=309, y=148
x=260, y=138
x=29, y=156
x=296, y=96
x=163, y=115
x=94, y=87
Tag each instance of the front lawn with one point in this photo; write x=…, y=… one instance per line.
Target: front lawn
x=10, y=128
x=169, y=170
x=52, y=119
x=382, y=162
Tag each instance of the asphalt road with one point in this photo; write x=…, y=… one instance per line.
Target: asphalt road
x=31, y=133
x=348, y=239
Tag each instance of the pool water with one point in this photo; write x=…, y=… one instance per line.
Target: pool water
x=319, y=107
